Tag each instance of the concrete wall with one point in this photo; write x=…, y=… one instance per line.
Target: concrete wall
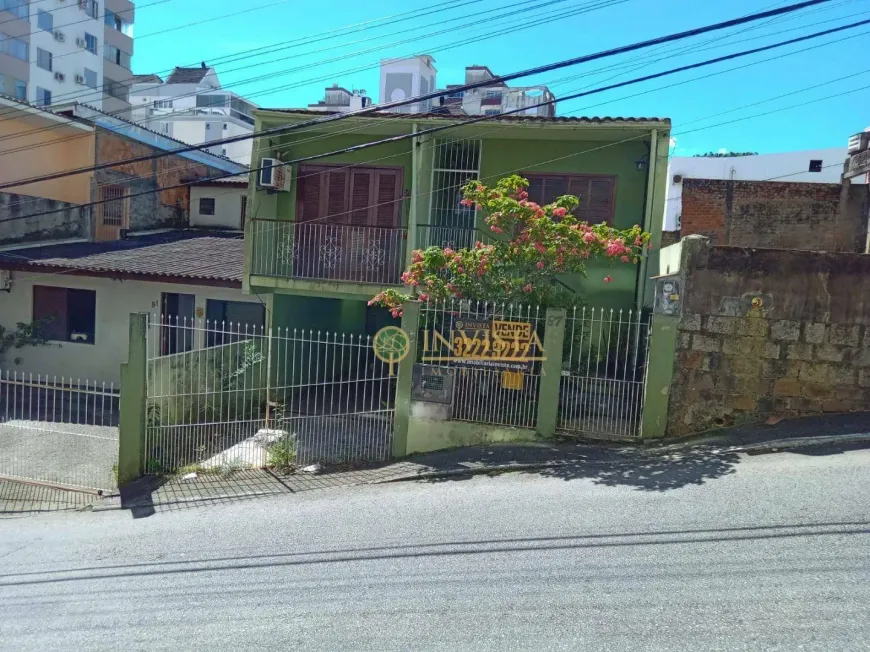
x=767, y=332
x=816, y=216
x=115, y=301
x=72, y=221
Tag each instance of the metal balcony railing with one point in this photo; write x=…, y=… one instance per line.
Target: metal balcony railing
x=334, y=252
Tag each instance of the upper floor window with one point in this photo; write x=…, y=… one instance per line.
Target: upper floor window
x=43, y=59
x=815, y=165
x=14, y=47
x=90, y=78
x=115, y=89
x=162, y=104
x=492, y=95
x=597, y=193
x=20, y=90
x=113, y=54
x=91, y=43
x=43, y=96
x=456, y=94
x=114, y=21
x=16, y=7
x=90, y=7
x=491, y=112
x=45, y=20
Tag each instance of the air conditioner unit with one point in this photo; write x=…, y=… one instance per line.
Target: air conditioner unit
x=274, y=175
x=80, y=79
x=859, y=142
x=82, y=43
x=59, y=76
x=58, y=36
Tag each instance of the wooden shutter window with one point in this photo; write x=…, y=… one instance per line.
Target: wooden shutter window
x=336, y=204
x=388, y=209
x=596, y=194
x=308, y=193
x=361, y=197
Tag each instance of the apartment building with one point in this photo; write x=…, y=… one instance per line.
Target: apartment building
x=190, y=105
x=57, y=51
x=340, y=100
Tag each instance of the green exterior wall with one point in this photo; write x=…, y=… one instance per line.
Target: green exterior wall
x=660, y=373
x=426, y=435
x=504, y=157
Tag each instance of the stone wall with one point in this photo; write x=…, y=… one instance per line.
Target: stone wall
x=63, y=220
x=769, y=332
x=775, y=214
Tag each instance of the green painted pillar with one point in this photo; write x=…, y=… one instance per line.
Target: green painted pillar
x=405, y=372
x=551, y=372
x=660, y=372
x=131, y=430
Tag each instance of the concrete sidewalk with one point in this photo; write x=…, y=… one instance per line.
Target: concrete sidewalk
x=651, y=466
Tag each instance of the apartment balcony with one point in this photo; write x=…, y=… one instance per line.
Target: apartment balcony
x=329, y=259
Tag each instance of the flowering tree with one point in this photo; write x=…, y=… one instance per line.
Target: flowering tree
x=532, y=244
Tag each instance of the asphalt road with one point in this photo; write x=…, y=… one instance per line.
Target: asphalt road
x=761, y=553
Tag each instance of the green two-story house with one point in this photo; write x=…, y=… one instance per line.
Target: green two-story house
x=345, y=226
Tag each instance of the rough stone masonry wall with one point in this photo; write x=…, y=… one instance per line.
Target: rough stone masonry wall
x=775, y=214
x=769, y=332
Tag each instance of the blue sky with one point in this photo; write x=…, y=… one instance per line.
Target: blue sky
x=526, y=33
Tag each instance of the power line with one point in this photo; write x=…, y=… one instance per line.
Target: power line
x=298, y=142
x=335, y=33
x=425, y=97
x=476, y=119
x=596, y=4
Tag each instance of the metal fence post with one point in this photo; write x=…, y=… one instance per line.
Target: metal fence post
x=131, y=430
x=411, y=326
x=551, y=373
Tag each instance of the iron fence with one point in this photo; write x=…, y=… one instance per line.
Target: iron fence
x=58, y=431
x=249, y=397
x=336, y=252
x=493, y=389
x=603, y=372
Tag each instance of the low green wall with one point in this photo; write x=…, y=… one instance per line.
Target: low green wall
x=426, y=435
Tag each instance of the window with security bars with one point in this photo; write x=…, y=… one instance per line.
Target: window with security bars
x=597, y=193
x=114, y=206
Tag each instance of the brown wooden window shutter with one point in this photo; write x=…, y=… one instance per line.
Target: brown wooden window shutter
x=596, y=193
x=389, y=194
x=361, y=196
x=308, y=193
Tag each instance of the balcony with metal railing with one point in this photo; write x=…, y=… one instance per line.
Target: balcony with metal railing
x=281, y=249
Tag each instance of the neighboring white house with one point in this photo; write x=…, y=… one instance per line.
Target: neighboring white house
x=807, y=166
x=87, y=290
x=220, y=204
x=190, y=105
x=340, y=100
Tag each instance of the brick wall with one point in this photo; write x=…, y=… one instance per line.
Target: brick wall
x=775, y=214
x=769, y=332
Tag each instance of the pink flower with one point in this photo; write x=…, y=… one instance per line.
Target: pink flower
x=480, y=188
x=416, y=256
x=540, y=264
x=638, y=241
x=589, y=237
x=527, y=288
x=523, y=194
x=371, y=303
x=607, y=279
x=460, y=270
x=540, y=248
x=466, y=202
x=539, y=213
x=523, y=203
x=625, y=259
x=448, y=252
x=395, y=313
x=496, y=229
x=424, y=297
x=560, y=212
